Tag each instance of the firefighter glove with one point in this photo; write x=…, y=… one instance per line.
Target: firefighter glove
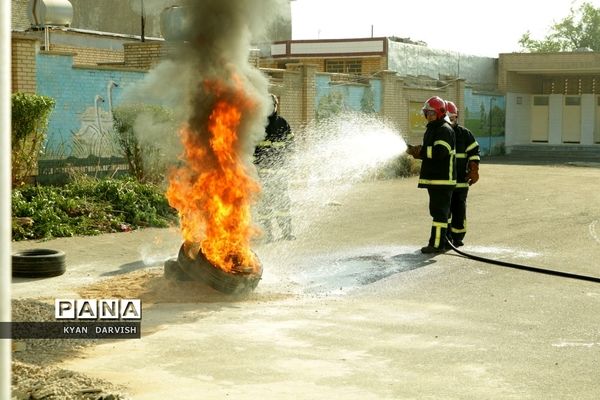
x=473, y=174
x=414, y=151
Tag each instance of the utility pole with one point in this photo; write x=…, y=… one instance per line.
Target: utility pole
x=5, y=190
x=143, y=22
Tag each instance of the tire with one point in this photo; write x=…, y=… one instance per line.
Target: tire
x=174, y=272
x=38, y=263
x=235, y=283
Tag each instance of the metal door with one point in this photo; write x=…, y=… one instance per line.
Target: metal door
x=539, y=119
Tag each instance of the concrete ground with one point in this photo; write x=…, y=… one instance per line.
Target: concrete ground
x=351, y=310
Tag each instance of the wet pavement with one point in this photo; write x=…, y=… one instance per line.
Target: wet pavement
x=352, y=310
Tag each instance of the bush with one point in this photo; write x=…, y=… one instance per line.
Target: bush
x=30, y=115
x=88, y=206
x=144, y=158
x=401, y=167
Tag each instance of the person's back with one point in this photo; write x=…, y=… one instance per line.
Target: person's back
x=273, y=150
x=437, y=155
x=271, y=158
x=467, y=166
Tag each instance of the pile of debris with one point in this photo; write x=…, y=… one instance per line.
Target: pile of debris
x=34, y=377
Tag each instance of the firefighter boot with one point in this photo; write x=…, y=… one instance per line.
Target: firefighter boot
x=286, y=227
x=437, y=240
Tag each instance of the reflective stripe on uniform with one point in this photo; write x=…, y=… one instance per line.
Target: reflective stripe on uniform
x=443, y=143
x=438, y=232
x=462, y=185
x=451, y=166
x=463, y=230
x=268, y=143
x=461, y=155
x=473, y=158
x=429, y=152
x=437, y=182
x=472, y=146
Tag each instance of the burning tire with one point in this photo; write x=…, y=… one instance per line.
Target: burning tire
x=38, y=263
x=201, y=269
x=174, y=272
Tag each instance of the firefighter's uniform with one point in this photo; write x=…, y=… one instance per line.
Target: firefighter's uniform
x=438, y=176
x=467, y=158
x=270, y=158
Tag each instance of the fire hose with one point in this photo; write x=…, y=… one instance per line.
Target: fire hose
x=525, y=267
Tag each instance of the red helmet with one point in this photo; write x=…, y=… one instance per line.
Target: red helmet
x=451, y=108
x=436, y=104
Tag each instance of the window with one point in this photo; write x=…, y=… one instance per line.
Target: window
x=353, y=67
x=572, y=101
x=541, y=100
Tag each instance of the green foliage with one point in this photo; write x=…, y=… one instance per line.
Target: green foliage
x=88, y=206
x=330, y=106
x=400, y=167
x=580, y=29
x=30, y=115
x=143, y=158
x=367, y=102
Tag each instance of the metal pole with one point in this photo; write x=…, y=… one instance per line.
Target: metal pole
x=143, y=23
x=5, y=190
x=490, y=128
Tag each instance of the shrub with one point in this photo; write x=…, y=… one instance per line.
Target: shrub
x=88, y=206
x=144, y=158
x=30, y=115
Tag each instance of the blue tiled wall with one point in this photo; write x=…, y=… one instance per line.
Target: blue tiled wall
x=74, y=90
x=352, y=93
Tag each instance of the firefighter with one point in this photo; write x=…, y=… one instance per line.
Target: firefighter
x=467, y=174
x=270, y=158
x=438, y=170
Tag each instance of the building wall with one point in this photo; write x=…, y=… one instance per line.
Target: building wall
x=409, y=59
x=123, y=16
x=556, y=76
x=80, y=122
x=23, y=67
x=531, y=65
x=77, y=128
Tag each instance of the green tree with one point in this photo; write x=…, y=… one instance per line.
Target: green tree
x=580, y=29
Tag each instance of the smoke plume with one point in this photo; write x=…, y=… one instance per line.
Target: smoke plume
x=217, y=44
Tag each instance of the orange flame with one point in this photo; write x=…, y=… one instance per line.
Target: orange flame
x=213, y=192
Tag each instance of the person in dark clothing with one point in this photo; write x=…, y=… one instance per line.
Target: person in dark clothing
x=438, y=170
x=467, y=174
x=270, y=158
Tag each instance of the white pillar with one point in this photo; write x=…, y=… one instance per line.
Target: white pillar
x=555, y=119
x=588, y=118
x=5, y=218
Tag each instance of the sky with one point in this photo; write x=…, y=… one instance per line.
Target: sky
x=475, y=27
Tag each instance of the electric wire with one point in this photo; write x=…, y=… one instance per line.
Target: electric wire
x=525, y=267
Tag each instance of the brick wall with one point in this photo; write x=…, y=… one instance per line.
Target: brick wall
x=370, y=65
x=19, y=18
x=144, y=55
x=23, y=52
x=90, y=56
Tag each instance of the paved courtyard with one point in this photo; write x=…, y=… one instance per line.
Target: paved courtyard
x=352, y=310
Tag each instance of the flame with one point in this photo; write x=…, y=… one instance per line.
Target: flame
x=213, y=192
